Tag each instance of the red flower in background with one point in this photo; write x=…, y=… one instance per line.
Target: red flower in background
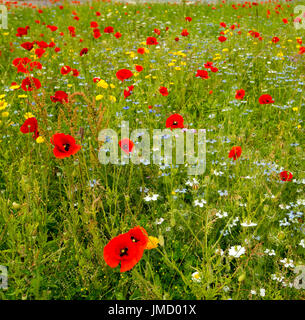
x=189, y=19
x=27, y=45
x=52, y=28
x=83, y=51
x=29, y=84
x=30, y=125
x=139, y=68
x=275, y=39
x=184, y=33
x=240, y=94
x=208, y=65
x=203, y=74
x=64, y=145
x=235, y=152
x=126, y=249
x=75, y=73
x=174, y=121
x=65, y=70
x=151, y=41
x=163, y=91
x=22, y=31
x=118, y=35
x=108, y=30
x=124, y=74
x=39, y=52
x=93, y=24
x=60, y=96
x=286, y=176
x=222, y=39
x=265, y=99
x=141, y=50
x=285, y=20
x=301, y=50
x=126, y=145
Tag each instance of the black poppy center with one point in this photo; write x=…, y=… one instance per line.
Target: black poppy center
x=175, y=123
x=133, y=239
x=123, y=252
x=66, y=146
x=125, y=146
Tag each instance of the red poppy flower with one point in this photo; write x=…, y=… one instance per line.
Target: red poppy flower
x=27, y=45
x=163, y=91
x=65, y=70
x=22, y=31
x=126, y=145
x=208, y=65
x=222, y=39
x=214, y=69
x=265, y=99
x=29, y=84
x=127, y=93
x=285, y=20
x=124, y=74
x=75, y=73
x=141, y=50
x=96, y=33
x=203, y=74
x=235, y=152
x=286, y=176
x=52, y=28
x=93, y=24
x=240, y=94
x=42, y=44
x=138, y=236
x=35, y=64
x=51, y=44
x=275, y=39
x=177, y=39
x=39, y=52
x=108, y=30
x=184, y=33
x=118, y=35
x=83, y=51
x=157, y=31
x=64, y=145
x=30, y=125
x=174, y=121
x=151, y=41
x=60, y=96
x=301, y=50
x=122, y=250
x=189, y=19
x=139, y=68
x=222, y=24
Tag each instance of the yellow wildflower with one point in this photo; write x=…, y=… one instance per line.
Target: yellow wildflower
x=40, y=139
x=152, y=243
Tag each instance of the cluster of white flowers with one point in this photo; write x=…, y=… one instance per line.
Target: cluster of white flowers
x=220, y=214
x=248, y=224
x=287, y=263
x=154, y=197
x=236, y=251
x=270, y=252
x=199, y=203
x=262, y=292
x=192, y=182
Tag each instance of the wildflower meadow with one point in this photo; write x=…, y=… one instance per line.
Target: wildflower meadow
x=152, y=150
